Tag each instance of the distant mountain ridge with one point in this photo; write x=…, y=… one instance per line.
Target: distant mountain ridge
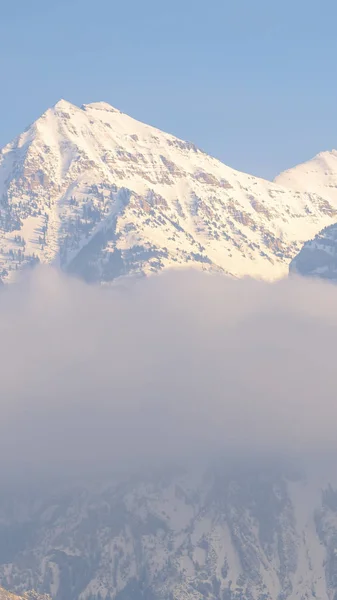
x=103, y=196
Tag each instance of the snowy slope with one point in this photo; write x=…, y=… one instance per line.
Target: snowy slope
x=259, y=534
x=103, y=195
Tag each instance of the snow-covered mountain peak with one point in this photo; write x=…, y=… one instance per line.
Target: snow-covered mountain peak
x=318, y=175
x=105, y=195
x=64, y=105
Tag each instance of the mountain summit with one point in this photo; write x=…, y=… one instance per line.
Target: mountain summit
x=103, y=195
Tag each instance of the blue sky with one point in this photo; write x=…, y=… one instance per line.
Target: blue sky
x=251, y=82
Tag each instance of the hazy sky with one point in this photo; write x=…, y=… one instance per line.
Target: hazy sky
x=183, y=366
x=251, y=82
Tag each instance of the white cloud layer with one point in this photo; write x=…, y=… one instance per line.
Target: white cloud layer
x=176, y=367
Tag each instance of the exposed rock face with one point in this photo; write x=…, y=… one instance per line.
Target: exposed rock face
x=32, y=595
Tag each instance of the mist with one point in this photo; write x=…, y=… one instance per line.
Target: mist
x=184, y=366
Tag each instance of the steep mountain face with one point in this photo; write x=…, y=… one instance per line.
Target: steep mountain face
x=318, y=256
x=259, y=534
x=104, y=196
